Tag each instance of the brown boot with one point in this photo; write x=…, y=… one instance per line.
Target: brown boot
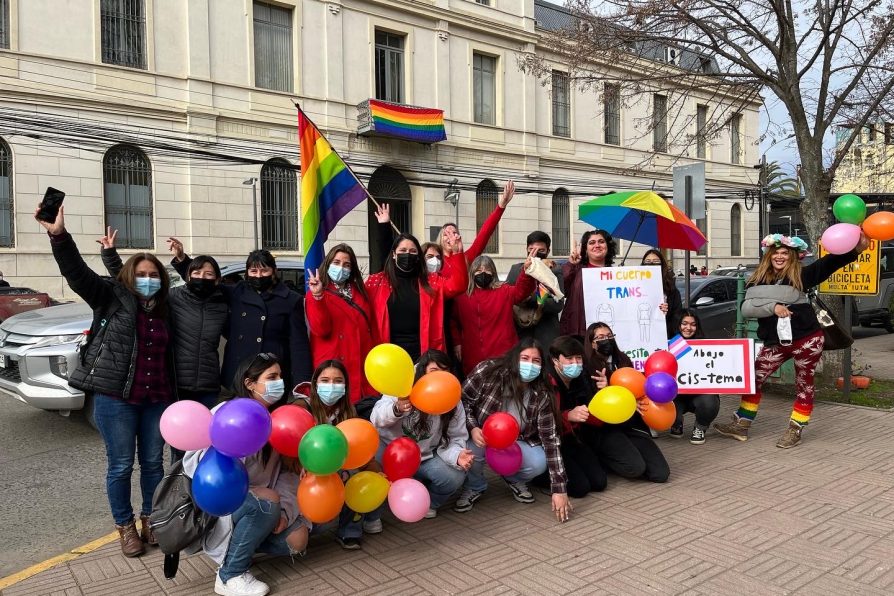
x=131, y=545
x=146, y=533
x=791, y=437
x=737, y=429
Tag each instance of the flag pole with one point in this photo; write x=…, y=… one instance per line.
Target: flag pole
x=353, y=175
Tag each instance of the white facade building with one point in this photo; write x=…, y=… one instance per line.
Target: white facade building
x=151, y=115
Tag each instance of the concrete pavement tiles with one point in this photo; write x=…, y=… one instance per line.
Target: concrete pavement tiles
x=735, y=518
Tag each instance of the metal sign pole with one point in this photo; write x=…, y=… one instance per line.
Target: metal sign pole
x=846, y=364
x=687, y=204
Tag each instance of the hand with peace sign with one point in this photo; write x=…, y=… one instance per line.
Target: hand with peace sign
x=314, y=284
x=108, y=241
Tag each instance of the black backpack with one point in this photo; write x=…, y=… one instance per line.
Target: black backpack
x=175, y=520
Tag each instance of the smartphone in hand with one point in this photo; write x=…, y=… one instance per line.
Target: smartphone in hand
x=49, y=206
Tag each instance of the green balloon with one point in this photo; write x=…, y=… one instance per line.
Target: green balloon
x=323, y=449
x=849, y=209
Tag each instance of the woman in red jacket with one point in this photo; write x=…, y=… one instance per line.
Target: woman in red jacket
x=339, y=319
x=451, y=242
x=482, y=326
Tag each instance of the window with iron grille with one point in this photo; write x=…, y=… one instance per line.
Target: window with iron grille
x=123, y=25
x=735, y=138
x=484, y=88
x=485, y=2
x=561, y=245
x=889, y=134
x=7, y=215
x=611, y=111
x=127, y=177
x=389, y=67
x=4, y=24
x=735, y=226
x=702, y=225
x=279, y=206
x=486, y=196
x=659, y=123
x=701, y=123
x=561, y=104
x=273, y=47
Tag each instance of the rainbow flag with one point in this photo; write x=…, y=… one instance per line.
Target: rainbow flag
x=423, y=125
x=329, y=190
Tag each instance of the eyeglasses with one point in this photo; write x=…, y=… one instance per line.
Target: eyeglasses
x=602, y=337
x=651, y=262
x=265, y=356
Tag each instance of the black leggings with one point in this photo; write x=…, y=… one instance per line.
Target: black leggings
x=629, y=452
x=585, y=474
x=706, y=408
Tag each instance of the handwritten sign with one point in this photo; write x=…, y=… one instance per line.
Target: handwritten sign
x=717, y=366
x=628, y=299
x=860, y=278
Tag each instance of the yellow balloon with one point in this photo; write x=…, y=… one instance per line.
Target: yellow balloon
x=389, y=369
x=366, y=491
x=613, y=404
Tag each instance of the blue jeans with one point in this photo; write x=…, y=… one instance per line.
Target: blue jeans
x=440, y=478
x=126, y=429
x=533, y=464
x=253, y=523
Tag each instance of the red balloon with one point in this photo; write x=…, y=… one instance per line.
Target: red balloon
x=289, y=425
x=500, y=430
x=401, y=459
x=661, y=361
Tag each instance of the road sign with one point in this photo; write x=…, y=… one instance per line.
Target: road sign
x=697, y=172
x=860, y=278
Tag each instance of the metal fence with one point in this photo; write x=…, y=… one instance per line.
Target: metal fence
x=7, y=217
x=486, y=196
x=561, y=245
x=123, y=32
x=273, y=47
x=279, y=206
x=127, y=175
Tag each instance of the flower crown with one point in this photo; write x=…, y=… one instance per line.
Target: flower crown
x=779, y=240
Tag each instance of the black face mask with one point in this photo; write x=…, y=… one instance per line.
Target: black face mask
x=201, y=288
x=407, y=262
x=483, y=280
x=260, y=284
x=541, y=254
x=605, y=346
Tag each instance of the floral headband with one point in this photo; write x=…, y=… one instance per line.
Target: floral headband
x=779, y=240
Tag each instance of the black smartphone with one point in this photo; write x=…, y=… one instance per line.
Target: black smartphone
x=49, y=206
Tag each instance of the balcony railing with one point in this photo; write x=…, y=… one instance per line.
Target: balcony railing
x=410, y=123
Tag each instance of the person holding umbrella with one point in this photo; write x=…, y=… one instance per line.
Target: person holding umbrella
x=597, y=249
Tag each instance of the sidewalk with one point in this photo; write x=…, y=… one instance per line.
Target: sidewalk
x=877, y=351
x=735, y=518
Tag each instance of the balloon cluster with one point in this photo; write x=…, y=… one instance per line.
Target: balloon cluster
x=655, y=391
x=850, y=211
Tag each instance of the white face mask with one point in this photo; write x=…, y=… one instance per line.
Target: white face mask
x=433, y=264
x=273, y=391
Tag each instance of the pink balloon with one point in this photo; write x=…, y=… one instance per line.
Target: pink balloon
x=186, y=425
x=408, y=499
x=841, y=238
x=504, y=462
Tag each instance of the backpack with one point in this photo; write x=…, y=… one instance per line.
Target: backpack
x=176, y=521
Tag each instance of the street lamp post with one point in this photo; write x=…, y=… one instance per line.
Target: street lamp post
x=254, y=201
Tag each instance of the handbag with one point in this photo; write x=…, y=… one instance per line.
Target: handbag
x=526, y=314
x=837, y=337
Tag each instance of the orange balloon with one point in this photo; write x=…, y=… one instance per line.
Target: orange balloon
x=321, y=498
x=879, y=226
x=363, y=441
x=631, y=379
x=658, y=416
x=436, y=393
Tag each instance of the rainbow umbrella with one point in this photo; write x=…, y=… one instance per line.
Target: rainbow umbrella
x=644, y=217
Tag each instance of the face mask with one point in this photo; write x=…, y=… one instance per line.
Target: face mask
x=273, y=391
x=147, y=286
x=572, y=371
x=338, y=274
x=260, y=284
x=605, y=346
x=528, y=371
x=541, y=254
x=483, y=280
x=330, y=393
x=407, y=262
x=433, y=265
x=200, y=287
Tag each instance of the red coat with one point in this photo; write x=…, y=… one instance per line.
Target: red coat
x=452, y=280
x=482, y=323
x=340, y=331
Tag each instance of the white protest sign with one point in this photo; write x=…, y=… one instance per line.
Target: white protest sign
x=627, y=299
x=717, y=366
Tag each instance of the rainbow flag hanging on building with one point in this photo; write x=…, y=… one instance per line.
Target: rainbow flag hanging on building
x=329, y=190
x=422, y=125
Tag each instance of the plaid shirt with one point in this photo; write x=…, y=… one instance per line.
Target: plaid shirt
x=483, y=396
x=151, y=380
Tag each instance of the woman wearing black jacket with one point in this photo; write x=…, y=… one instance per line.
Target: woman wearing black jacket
x=673, y=303
x=126, y=364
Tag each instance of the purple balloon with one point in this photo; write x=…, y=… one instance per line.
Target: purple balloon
x=240, y=427
x=504, y=462
x=661, y=387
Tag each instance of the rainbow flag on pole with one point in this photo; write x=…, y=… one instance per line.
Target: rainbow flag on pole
x=329, y=190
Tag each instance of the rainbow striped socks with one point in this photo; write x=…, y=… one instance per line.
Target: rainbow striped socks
x=748, y=407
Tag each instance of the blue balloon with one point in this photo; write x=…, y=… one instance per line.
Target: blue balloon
x=240, y=427
x=220, y=483
x=661, y=387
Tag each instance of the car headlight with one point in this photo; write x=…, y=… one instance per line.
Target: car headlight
x=56, y=340
x=59, y=366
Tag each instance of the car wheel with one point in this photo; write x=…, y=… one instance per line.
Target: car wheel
x=87, y=411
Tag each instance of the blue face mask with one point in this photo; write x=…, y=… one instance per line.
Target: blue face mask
x=528, y=371
x=147, y=286
x=330, y=393
x=338, y=274
x=273, y=391
x=572, y=371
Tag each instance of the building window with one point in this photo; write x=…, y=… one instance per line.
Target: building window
x=484, y=88
x=702, y=225
x=486, y=197
x=7, y=215
x=389, y=67
x=735, y=227
x=484, y=2
x=279, y=206
x=123, y=32
x=561, y=245
x=735, y=138
x=701, y=126
x=611, y=111
x=273, y=47
x=889, y=134
x=4, y=24
x=659, y=123
x=871, y=128
x=127, y=175
x=561, y=104
x=389, y=187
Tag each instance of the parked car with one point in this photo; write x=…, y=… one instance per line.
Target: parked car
x=879, y=309
x=714, y=297
x=17, y=300
x=747, y=270
x=38, y=349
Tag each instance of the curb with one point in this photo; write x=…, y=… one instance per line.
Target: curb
x=74, y=553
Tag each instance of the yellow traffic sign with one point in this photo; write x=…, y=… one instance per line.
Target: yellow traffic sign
x=860, y=278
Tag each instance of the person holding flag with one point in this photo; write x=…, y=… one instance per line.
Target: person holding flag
x=704, y=406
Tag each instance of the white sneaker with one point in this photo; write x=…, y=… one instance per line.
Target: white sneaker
x=372, y=527
x=241, y=585
x=431, y=513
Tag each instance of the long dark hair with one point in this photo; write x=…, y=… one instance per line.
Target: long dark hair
x=419, y=420
x=668, y=279
x=316, y=406
x=421, y=272
x=611, y=250
x=127, y=277
x=688, y=312
x=250, y=369
x=355, y=279
x=593, y=360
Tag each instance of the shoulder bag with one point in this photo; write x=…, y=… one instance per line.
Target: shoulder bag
x=837, y=337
